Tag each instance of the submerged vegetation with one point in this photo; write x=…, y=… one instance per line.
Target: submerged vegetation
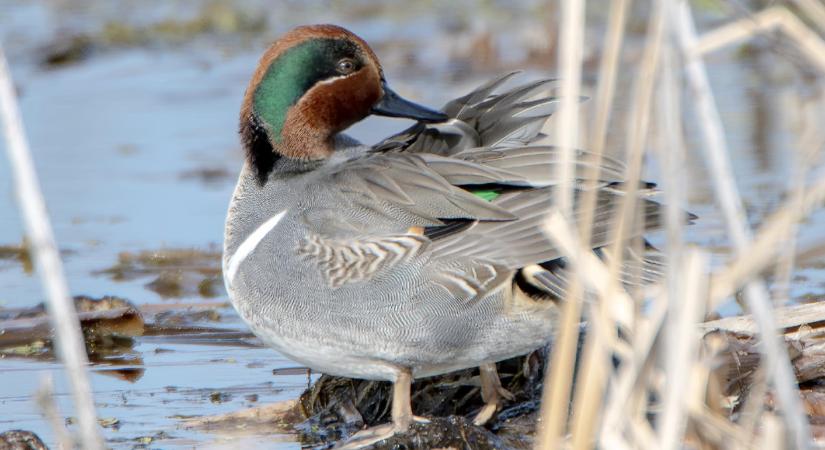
x=225, y=20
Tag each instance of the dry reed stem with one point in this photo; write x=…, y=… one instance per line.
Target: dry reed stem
x=626, y=215
x=636, y=137
x=558, y=378
x=685, y=311
x=593, y=272
x=605, y=93
x=43, y=247
x=753, y=409
x=717, y=156
x=590, y=384
x=808, y=135
x=722, y=431
x=773, y=18
x=672, y=155
x=628, y=378
x=813, y=9
x=787, y=319
x=45, y=400
x=769, y=243
x=567, y=125
x=588, y=393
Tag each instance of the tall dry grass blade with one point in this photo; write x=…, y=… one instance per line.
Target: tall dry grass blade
x=776, y=17
x=808, y=136
x=558, y=379
x=45, y=401
x=685, y=302
x=624, y=222
x=686, y=310
x=717, y=156
x=753, y=409
x=567, y=124
x=592, y=271
x=762, y=252
x=589, y=392
x=44, y=251
x=590, y=387
x=815, y=10
x=629, y=378
x=637, y=136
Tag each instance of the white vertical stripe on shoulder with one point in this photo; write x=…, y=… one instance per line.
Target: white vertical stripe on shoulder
x=249, y=244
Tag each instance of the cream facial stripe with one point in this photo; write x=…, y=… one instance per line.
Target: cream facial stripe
x=249, y=244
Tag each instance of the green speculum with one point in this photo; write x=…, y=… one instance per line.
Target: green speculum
x=486, y=194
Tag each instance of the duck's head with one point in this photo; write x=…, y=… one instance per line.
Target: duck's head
x=311, y=84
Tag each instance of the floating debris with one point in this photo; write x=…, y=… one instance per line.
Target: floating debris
x=209, y=175
x=178, y=273
x=109, y=422
x=108, y=324
x=19, y=253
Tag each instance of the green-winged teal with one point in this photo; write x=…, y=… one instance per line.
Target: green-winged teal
x=417, y=256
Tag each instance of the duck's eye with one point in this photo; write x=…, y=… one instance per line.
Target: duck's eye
x=345, y=66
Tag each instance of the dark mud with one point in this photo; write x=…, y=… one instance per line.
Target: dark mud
x=337, y=407
x=334, y=408
x=21, y=440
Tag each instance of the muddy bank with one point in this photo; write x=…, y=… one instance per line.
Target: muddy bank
x=334, y=408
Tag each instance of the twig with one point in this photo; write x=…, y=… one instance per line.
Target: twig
x=47, y=259
x=717, y=156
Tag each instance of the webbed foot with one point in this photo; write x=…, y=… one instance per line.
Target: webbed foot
x=492, y=392
x=369, y=436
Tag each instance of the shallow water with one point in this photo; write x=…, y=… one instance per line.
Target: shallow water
x=121, y=140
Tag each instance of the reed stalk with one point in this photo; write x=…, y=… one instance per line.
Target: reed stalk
x=44, y=252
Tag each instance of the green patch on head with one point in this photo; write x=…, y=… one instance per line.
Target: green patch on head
x=292, y=74
x=487, y=194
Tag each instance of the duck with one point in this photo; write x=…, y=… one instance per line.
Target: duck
x=413, y=257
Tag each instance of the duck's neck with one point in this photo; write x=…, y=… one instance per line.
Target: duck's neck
x=297, y=149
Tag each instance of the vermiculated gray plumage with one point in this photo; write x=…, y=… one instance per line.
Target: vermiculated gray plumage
x=382, y=257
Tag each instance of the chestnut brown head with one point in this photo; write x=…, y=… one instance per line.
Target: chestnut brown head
x=311, y=84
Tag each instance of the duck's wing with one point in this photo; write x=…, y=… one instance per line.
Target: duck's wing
x=500, y=130
x=521, y=242
x=482, y=118
x=552, y=279
x=381, y=208
x=480, y=213
x=474, y=191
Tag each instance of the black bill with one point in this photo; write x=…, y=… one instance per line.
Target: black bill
x=393, y=105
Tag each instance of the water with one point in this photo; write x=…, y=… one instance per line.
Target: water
x=117, y=137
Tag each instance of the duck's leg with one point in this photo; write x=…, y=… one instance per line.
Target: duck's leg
x=402, y=416
x=492, y=393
